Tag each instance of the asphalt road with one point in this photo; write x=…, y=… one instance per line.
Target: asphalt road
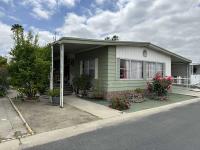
x=177, y=129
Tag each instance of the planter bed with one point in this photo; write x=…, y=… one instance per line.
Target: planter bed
x=149, y=103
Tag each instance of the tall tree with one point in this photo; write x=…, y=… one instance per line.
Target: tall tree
x=29, y=68
x=18, y=31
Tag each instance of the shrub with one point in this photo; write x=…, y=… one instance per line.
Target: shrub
x=3, y=76
x=54, y=93
x=138, y=95
x=82, y=84
x=158, y=88
x=120, y=103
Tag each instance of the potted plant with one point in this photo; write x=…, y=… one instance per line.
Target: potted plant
x=55, y=96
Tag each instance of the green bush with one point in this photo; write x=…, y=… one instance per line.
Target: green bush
x=3, y=76
x=138, y=95
x=139, y=90
x=54, y=93
x=82, y=84
x=30, y=65
x=120, y=103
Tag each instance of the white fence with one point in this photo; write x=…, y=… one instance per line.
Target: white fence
x=182, y=81
x=195, y=79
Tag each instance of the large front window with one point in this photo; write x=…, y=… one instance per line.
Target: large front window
x=133, y=69
x=130, y=69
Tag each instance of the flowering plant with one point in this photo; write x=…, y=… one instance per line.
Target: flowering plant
x=120, y=103
x=159, y=85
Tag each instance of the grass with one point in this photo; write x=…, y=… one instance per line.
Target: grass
x=149, y=103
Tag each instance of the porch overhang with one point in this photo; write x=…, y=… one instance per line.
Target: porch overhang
x=77, y=45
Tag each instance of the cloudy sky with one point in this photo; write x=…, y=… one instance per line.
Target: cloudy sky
x=174, y=25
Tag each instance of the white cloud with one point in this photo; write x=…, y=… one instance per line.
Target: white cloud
x=75, y=26
x=44, y=9
x=45, y=37
x=5, y=39
x=39, y=12
x=173, y=26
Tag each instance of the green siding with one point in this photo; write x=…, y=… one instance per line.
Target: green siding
x=108, y=70
x=102, y=55
x=114, y=82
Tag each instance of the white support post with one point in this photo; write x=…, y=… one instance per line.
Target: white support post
x=61, y=74
x=51, y=69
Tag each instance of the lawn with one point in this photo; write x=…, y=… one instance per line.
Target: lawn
x=149, y=103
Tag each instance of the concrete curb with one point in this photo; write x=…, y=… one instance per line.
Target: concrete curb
x=60, y=134
x=22, y=118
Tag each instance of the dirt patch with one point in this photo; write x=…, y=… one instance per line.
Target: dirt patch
x=42, y=116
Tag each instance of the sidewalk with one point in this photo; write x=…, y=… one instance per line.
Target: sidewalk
x=186, y=91
x=92, y=108
x=10, y=122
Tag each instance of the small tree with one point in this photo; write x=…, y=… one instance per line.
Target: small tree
x=113, y=38
x=3, y=76
x=29, y=67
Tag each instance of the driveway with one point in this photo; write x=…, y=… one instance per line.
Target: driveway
x=42, y=116
x=177, y=129
x=9, y=121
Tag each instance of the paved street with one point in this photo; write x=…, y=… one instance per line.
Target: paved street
x=177, y=129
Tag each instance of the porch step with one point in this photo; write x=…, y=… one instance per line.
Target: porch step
x=68, y=90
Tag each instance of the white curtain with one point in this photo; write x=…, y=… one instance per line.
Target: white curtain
x=136, y=70
x=151, y=69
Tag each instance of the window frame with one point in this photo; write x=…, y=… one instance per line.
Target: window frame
x=144, y=69
x=129, y=69
x=88, y=62
x=163, y=73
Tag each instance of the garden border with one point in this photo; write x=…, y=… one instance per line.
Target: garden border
x=31, y=132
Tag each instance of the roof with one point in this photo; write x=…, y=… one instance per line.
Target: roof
x=83, y=41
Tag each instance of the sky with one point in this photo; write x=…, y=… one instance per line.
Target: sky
x=173, y=25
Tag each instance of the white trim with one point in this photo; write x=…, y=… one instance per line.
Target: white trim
x=96, y=68
x=130, y=60
x=141, y=79
x=81, y=67
x=61, y=74
x=51, y=68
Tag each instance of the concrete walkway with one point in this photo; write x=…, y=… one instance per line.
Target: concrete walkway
x=10, y=122
x=186, y=91
x=92, y=108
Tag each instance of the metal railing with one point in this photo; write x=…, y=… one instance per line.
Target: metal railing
x=182, y=81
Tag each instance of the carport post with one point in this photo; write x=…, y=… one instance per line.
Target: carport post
x=61, y=74
x=51, y=73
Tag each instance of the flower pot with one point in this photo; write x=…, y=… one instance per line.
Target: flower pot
x=55, y=100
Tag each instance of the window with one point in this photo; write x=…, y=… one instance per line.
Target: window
x=159, y=68
x=124, y=69
x=130, y=69
x=152, y=68
x=136, y=70
x=92, y=68
x=88, y=67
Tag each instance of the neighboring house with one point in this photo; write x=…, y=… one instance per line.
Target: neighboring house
x=195, y=75
x=115, y=66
